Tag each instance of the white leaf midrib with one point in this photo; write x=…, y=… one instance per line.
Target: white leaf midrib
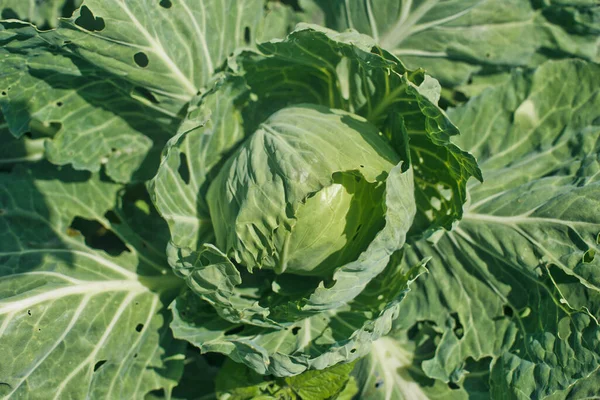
x=100, y=260
x=524, y=218
x=57, y=342
x=98, y=346
x=391, y=358
x=8, y=306
x=159, y=50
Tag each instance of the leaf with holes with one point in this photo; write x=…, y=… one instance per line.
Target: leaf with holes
x=81, y=115
x=180, y=186
x=171, y=48
x=94, y=102
x=75, y=321
x=516, y=282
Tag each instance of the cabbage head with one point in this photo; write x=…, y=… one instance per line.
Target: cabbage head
x=290, y=191
x=304, y=194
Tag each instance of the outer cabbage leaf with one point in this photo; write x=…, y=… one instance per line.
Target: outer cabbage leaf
x=42, y=14
x=171, y=48
x=310, y=12
x=579, y=16
x=88, y=118
x=454, y=39
x=335, y=336
x=585, y=388
x=18, y=150
x=101, y=103
x=237, y=382
x=180, y=186
x=279, y=20
x=198, y=380
x=392, y=370
x=78, y=322
x=516, y=281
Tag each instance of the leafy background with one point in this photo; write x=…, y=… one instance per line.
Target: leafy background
x=509, y=305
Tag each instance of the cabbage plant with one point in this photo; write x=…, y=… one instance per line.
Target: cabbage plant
x=308, y=200
x=297, y=210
